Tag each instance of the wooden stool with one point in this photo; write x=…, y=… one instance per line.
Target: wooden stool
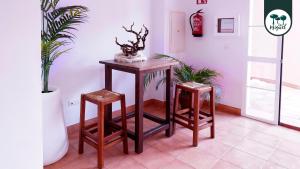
x=192, y=117
x=93, y=134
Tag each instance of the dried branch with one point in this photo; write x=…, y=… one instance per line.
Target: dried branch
x=144, y=38
x=134, y=46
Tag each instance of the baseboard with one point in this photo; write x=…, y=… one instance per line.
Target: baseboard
x=290, y=126
x=229, y=109
x=154, y=102
x=219, y=107
x=226, y=109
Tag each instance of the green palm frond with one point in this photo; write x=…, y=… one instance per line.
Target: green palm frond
x=46, y=5
x=160, y=56
x=183, y=73
x=206, y=76
x=160, y=82
x=60, y=22
x=58, y=26
x=51, y=51
x=54, y=3
x=79, y=10
x=186, y=73
x=149, y=77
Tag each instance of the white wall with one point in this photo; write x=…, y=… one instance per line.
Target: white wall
x=79, y=70
x=20, y=101
x=227, y=55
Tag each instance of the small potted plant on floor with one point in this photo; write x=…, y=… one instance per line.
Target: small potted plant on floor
x=186, y=73
x=57, y=26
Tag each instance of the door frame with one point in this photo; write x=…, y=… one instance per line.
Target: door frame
x=278, y=62
x=280, y=93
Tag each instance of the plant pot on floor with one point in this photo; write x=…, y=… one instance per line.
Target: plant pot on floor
x=55, y=138
x=186, y=100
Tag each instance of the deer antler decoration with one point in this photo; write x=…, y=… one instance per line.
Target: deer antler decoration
x=134, y=46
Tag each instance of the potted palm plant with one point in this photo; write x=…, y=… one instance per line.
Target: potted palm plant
x=58, y=25
x=186, y=73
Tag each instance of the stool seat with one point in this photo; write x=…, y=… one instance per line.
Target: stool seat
x=195, y=86
x=93, y=134
x=102, y=96
x=191, y=117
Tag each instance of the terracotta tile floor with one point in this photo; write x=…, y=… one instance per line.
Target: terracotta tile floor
x=239, y=143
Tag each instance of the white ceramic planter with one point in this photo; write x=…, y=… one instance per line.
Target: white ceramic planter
x=55, y=137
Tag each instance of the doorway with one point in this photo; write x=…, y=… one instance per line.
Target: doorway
x=290, y=91
x=273, y=76
x=263, y=69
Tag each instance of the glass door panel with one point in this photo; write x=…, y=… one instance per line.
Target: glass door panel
x=261, y=43
x=261, y=104
x=290, y=94
x=256, y=13
x=262, y=76
x=261, y=90
x=263, y=69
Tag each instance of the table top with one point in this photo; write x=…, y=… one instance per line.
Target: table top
x=151, y=64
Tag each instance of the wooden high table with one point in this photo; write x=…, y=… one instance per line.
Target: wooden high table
x=140, y=69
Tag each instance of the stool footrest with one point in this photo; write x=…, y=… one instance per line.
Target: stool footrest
x=205, y=114
x=203, y=117
x=184, y=118
x=189, y=126
x=90, y=136
x=206, y=120
x=90, y=142
x=114, y=142
x=109, y=141
x=113, y=136
x=183, y=111
x=91, y=126
x=205, y=126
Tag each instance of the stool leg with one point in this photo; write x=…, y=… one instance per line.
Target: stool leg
x=212, y=111
x=191, y=106
x=196, y=119
x=176, y=104
x=101, y=135
x=124, y=124
x=81, y=128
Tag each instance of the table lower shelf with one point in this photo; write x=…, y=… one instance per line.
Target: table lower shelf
x=163, y=125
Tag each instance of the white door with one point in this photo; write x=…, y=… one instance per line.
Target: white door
x=263, y=69
x=290, y=93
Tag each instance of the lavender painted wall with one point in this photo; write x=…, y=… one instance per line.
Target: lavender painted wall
x=225, y=54
x=78, y=71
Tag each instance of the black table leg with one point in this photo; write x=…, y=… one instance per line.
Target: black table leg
x=108, y=111
x=168, y=101
x=139, y=106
